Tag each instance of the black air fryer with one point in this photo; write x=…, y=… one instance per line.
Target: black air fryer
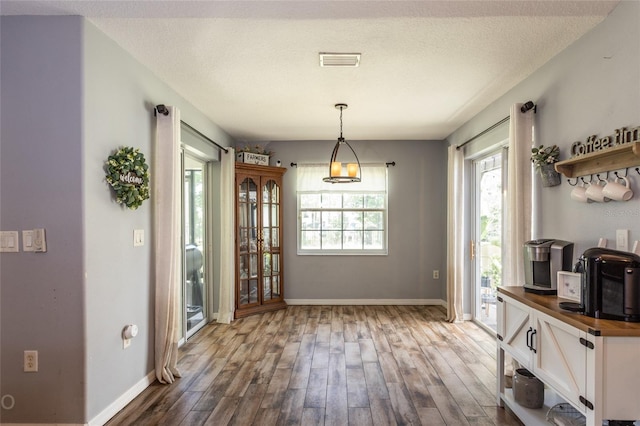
x=611, y=284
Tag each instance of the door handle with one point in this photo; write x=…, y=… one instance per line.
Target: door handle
x=533, y=334
x=528, y=337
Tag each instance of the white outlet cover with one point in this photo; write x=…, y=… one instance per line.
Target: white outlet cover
x=138, y=237
x=622, y=239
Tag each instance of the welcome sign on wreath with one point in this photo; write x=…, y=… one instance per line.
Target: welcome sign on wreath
x=128, y=175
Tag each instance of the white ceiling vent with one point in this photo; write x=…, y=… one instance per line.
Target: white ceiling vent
x=339, y=59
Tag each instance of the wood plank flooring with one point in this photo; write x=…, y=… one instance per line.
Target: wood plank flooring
x=330, y=365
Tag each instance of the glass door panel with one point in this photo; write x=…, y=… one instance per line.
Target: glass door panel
x=248, y=246
x=270, y=240
x=194, y=231
x=489, y=198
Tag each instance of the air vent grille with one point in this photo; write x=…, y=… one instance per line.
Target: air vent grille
x=339, y=59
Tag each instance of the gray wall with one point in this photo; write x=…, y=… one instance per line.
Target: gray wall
x=70, y=96
x=417, y=222
x=41, y=184
x=593, y=87
x=118, y=101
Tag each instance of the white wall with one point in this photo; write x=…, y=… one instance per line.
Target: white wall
x=417, y=221
x=592, y=87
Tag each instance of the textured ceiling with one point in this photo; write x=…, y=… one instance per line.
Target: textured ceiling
x=252, y=66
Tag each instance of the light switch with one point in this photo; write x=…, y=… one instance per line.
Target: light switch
x=138, y=237
x=9, y=242
x=27, y=241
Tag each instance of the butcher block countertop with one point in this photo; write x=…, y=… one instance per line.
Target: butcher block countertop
x=550, y=306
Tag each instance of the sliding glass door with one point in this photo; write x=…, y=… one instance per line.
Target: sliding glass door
x=195, y=247
x=490, y=176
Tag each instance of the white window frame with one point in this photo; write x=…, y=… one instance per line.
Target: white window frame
x=310, y=182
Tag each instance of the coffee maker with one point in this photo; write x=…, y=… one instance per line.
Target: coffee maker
x=543, y=259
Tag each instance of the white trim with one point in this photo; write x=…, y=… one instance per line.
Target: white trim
x=437, y=302
x=467, y=317
x=123, y=400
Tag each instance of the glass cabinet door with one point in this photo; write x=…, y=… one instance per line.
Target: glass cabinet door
x=271, y=260
x=248, y=241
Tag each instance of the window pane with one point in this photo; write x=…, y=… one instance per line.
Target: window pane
x=373, y=239
x=335, y=218
x=310, y=220
x=274, y=215
x=310, y=201
x=332, y=220
x=353, y=201
x=332, y=240
x=374, y=220
x=353, y=240
x=353, y=220
x=310, y=240
x=374, y=201
x=330, y=201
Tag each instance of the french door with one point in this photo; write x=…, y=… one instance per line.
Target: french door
x=487, y=245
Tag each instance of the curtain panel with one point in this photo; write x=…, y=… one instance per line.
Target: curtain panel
x=519, y=194
x=455, y=234
x=227, y=243
x=167, y=183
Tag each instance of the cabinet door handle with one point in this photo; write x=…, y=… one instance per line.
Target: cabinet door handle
x=533, y=334
x=528, y=337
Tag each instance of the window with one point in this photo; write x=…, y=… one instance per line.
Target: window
x=340, y=218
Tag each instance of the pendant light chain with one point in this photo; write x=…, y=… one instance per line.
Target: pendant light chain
x=341, y=108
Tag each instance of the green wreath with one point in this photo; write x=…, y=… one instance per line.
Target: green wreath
x=128, y=175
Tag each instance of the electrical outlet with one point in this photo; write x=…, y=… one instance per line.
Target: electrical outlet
x=30, y=361
x=436, y=274
x=622, y=239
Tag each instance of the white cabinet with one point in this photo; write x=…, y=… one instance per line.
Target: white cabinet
x=552, y=350
x=590, y=363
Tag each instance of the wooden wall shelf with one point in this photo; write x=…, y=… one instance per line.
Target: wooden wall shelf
x=620, y=157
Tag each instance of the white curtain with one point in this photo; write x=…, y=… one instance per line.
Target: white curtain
x=519, y=193
x=168, y=259
x=455, y=234
x=227, y=244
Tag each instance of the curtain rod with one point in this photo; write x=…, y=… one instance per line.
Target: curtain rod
x=204, y=136
x=524, y=108
x=487, y=130
x=390, y=163
x=162, y=109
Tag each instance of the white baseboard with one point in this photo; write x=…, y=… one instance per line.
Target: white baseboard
x=437, y=302
x=123, y=400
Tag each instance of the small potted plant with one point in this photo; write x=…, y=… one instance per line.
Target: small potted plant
x=544, y=159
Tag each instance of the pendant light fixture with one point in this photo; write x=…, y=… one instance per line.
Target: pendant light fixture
x=336, y=170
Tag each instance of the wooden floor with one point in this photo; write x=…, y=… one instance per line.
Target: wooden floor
x=331, y=365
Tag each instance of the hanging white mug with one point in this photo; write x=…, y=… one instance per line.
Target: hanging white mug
x=594, y=192
x=579, y=193
x=617, y=191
